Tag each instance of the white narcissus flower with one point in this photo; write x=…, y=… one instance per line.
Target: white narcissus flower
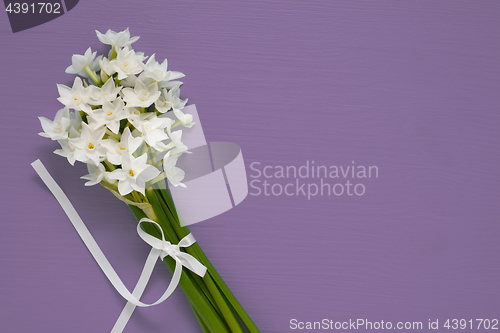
x=96, y=173
x=141, y=95
x=137, y=118
x=105, y=65
x=68, y=149
x=163, y=103
x=155, y=70
x=118, y=39
x=159, y=72
x=174, y=95
x=134, y=174
x=153, y=130
x=101, y=109
x=88, y=146
x=115, y=150
x=169, y=84
x=57, y=129
x=174, y=174
x=108, y=92
x=79, y=62
x=111, y=181
x=169, y=99
x=76, y=97
x=132, y=79
x=127, y=62
x=109, y=116
x=176, y=143
x=185, y=118
x=75, y=121
x=134, y=114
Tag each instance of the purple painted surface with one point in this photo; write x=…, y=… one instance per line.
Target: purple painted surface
x=409, y=87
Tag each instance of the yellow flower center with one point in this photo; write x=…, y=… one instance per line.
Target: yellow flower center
x=91, y=145
x=131, y=173
x=123, y=148
x=143, y=95
x=76, y=98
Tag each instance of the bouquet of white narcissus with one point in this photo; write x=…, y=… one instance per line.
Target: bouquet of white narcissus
x=113, y=122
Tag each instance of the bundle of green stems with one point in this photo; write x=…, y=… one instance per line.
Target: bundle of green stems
x=213, y=304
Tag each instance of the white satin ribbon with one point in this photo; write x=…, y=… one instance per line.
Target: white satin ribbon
x=165, y=249
x=160, y=248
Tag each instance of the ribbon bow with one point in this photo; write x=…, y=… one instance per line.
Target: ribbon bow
x=165, y=248
x=160, y=248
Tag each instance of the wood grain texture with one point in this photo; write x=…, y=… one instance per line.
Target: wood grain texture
x=411, y=87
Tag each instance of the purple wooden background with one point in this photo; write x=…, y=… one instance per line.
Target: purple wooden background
x=411, y=87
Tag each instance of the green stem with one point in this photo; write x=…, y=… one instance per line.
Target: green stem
x=109, y=166
x=227, y=313
x=203, y=327
x=200, y=282
x=211, y=289
x=113, y=53
x=162, y=219
x=221, y=302
x=204, y=310
x=128, y=124
x=92, y=74
x=250, y=325
x=136, y=196
x=153, y=181
x=113, y=135
x=104, y=76
x=198, y=253
x=219, y=299
x=170, y=234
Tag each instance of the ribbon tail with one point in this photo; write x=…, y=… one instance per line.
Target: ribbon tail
x=174, y=282
x=91, y=244
x=129, y=308
x=102, y=261
x=192, y=263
